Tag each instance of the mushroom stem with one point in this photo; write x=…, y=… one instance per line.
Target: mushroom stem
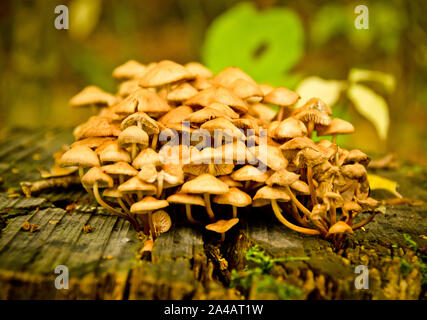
x=311, y=185
x=81, y=174
x=151, y=225
x=159, y=185
x=280, y=113
x=189, y=215
x=234, y=211
x=296, y=215
x=222, y=239
x=300, y=206
x=333, y=212
x=310, y=128
x=109, y=208
x=211, y=168
x=154, y=141
x=363, y=222
x=247, y=184
x=123, y=205
x=281, y=218
x=134, y=151
x=206, y=196
x=334, y=138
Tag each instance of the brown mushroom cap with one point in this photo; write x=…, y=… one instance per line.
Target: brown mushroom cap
x=282, y=178
x=182, y=92
x=120, y=168
x=205, y=114
x=129, y=70
x=92, y=95
x=196, y=69
x=113, y=153
x=245, y=89
x=237, y=152
x=93, y=142
x=222, y=226
x=80, y=156
x=224, y=125
x=143, y=100
x=308, y=157
x=133, y=135
x=185, y=198
x=96, y=175
x=164, y=72
x=230, y=182
x=148, y=124
x=146, y=156
x=148, y=204
x=301, y=187
x=250, y=173
x=149, y=173
x=352, y=206
x=96, y=127
x=354, y=171
x=314, y=115
x=205, y=183
x=336, y=126
x=162, y=221
x=299, y=143
x=271, y=156
x=112, y=193
x=290, y=128
x=234, y=197
x=262, y=111
x=282, y=97
x=340, y=227
x=127, y=87
x=272, y=193
x=228, y=75
x=134, y=185
x=314, y=104
x=176, y=115
x=358, y=157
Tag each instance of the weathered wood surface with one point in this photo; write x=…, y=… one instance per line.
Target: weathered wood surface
x=186, y=262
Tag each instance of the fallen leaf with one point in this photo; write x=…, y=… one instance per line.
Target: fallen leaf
x=327, y=90
x=377, y=182
x=387, y=80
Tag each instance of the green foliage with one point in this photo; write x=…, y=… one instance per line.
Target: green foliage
x=405, y=268
x=422, y=259
x=260, y=277
x=264, y=44
x=411, y=243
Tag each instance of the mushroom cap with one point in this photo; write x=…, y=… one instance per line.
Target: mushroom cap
x=262, y=111
x=368, y=203
x=225, y=126
x=234, y=197
x=162, y=221
x=245, y=89
x=218, y=94
x=127, y=87
x=230, y=74
x=176, y=115
x=198, y=169
x=340, y=227
x=336, y=126
x=93, y=142
x=204, y=115
x=96, y=127
x=96, y=175
x=134, y=184
x=299, y=143
x=143, y=100
x=313, y=115
x=202, y=83
x=357, y=156
x=148, y=204
x=308, y=157
x=148, y=124
x=246, y=124
x=196, y=69
x=164, y=72
x=80, y=156
x=129, y=70
x=354, y=171
x=113, y=153
x=314, y=104
x=146, y=156
x=250, y=173
x=224, y=109
x=237, y=152
x=112, y=193
x=282, y=178
x=182, y=92
x=230, y=182
x=272, y=193
x=92, y=95
x=301, y=187
x=133, y=135
x=271, y=156
x=266, y=88
x=261, y=203
x=120, y=168
x=352, y=206
x=282, y=97
x=148, y=173
x=222, y=226
x=205, y=183
x=185, y=198
x=290, y=128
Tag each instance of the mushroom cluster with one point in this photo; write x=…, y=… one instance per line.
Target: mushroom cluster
x=177, y=134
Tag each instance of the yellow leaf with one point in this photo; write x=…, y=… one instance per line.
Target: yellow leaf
x=372, y=106
x=377, y=182
x=327, y=90
x=84, y=16
x=387, y=80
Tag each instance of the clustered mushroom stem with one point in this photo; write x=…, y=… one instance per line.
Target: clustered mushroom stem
x=310, y=128
x=211, y=168
x=311, y=185
x=151, y=225
x=134, y=151
x=247, y=184
x=281, y=113
x=333, y=212
x=295, y=214
x=334, y=138
x=208, y=206
x=234, y=211
x=154, y=141
x=363, y=222
x=111, y=209
x=281, y=218
x=81, y=174
x=159, y=185
x=222, y=239
x=123, y=205
x=299, y=205
x=189, y=215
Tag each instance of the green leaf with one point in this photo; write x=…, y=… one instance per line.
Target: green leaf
x=327, y=90
x=372, y=106
x=386, y=79
x=84, y=16
x=264, y=44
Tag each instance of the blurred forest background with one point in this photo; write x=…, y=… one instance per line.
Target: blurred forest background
x=41, y=67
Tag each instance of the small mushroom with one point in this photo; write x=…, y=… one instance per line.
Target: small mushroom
x=222, y=226
x=234, y=197
x=133, y=137
x=188, y=200
x=334, y=128
x=162, y=221
x=284, y=98
x=147, y=206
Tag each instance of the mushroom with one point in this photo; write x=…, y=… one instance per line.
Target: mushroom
x=205, y=184
x=163, y=73
x=222, y=226
x=290, y=128
x=234, y=197
x=313, y=112
x=284, y=98
x=128, y=70
x=146, y=206
x=187, y=200
x=198, y=70
x=133, y=137
x=161, y=221
x=334, y=128
x=250, y=173
x=112, y=153
x=92, y=95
